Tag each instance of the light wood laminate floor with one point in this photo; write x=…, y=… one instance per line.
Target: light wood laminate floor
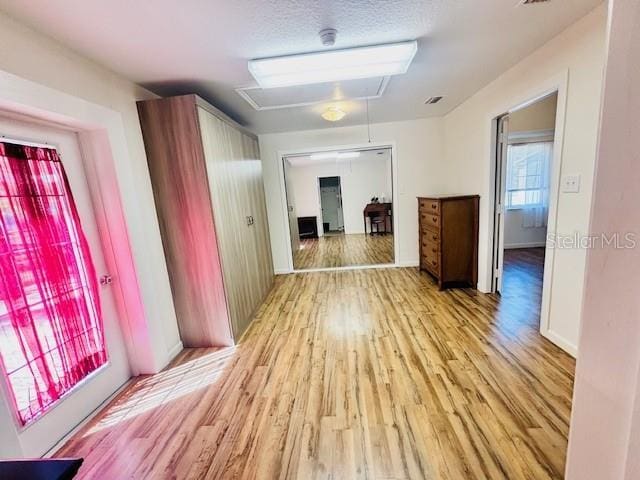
x=360, y=374
x=522, y=283
x=330, y=251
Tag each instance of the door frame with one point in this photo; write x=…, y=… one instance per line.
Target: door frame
x=320, y=200
x=105, y=153
x=502, y=145
x=556, y=84
x=353, y=147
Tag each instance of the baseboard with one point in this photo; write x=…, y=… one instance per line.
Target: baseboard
x=282, y=272
x=409, y=263
x=52, y=451
x=174, y=351
x=557, y=340
x=512, y=246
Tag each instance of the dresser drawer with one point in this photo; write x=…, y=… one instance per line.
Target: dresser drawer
x=430, y=250
x=429, y=206
x=429, y=235
x=430, y=220
x=431, y=264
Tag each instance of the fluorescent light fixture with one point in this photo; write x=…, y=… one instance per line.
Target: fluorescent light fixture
x=334, y=65
x=345, y=155
x=324, y=156
x=334, y=155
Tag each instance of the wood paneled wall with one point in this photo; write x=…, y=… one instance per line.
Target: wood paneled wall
x=207, y=179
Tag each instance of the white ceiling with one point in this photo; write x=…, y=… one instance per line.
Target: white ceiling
x=202, y=46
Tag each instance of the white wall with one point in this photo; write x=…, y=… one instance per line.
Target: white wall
x=604, y=439
x=517, y=236
x=539, y=117
x=40, y=59
x=360, y=180
x=42, y=73
x=579, y=50
x=419, y=155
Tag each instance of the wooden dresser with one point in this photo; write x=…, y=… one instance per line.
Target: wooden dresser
x=448, y=232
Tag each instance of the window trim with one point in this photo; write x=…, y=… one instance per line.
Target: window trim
x=20, y=427
x=531, y=136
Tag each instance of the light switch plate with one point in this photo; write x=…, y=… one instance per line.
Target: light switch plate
x=571, y=183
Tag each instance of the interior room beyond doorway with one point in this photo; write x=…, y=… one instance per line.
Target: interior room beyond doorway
x=527, y=146
x=340, y=208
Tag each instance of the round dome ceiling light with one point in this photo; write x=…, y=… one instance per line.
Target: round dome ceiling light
x=333, y=114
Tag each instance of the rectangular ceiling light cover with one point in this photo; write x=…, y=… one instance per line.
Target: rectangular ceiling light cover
x=334, y=65
x=334, y=155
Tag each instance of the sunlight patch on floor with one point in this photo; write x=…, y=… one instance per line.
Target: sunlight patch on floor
x=167, y=386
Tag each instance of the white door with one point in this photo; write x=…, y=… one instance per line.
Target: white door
x=44, y=432
x=500, y=197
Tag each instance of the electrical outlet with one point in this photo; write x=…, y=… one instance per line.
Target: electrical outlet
x=571, y=183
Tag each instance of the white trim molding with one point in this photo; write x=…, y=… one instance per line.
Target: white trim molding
x=284, y=209
x=559, y=84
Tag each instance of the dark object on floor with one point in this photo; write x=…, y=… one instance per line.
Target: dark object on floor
x=307, y=227
x=40, y=469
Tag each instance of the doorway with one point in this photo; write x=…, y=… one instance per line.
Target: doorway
x=340, y=208
x=331, y=205
x=524, y=162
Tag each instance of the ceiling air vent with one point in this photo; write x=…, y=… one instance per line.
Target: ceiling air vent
x=531, y=2
x=432, y=100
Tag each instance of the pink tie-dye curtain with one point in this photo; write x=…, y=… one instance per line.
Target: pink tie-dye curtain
x=51, y=333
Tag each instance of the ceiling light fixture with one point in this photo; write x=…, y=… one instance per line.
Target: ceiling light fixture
x=333, y=114
x=334, y=65
x=345, y=155
x=334, y=155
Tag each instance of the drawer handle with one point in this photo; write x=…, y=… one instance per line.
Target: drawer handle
x=433, y=262
x=433, y=206
x=433, y=250
x=435, y=237
x=435, y=219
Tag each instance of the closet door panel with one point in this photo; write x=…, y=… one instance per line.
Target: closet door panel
x=176, y=166
x=225, y=172
x=252, y=241
x=244, y=243
x=263, y=262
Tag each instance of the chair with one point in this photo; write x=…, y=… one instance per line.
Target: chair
x=377, y=219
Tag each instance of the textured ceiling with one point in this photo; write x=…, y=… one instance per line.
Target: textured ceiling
x=202, y=46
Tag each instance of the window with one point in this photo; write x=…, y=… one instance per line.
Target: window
x=51, y=334
x=528, y=174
